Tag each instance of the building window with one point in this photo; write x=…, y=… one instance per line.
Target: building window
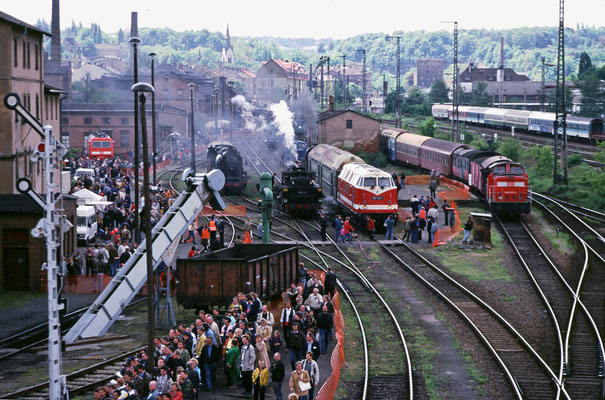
x=29, y=65
x=124, y=121
x=65, y=138
x=24, y=55
x=65, y=120
x=349, y=124
x=37, y=57
x=106, y=120
x=15, y=52
x=124, y=138
x=37, y=106
x=46, y=107
x=179, y=92
x=166, y=92
x=87, y=121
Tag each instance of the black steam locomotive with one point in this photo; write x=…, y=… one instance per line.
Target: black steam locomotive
x=300, y=194
x=222, y=155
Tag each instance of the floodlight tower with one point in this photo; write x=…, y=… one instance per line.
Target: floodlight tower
x=398, y=81
x=560, y=108
x=455, y=102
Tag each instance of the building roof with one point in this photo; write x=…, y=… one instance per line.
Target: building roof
x=291, y=68
x=18, y=203
x=16, y=21
x=473, y=73
x=330, y=114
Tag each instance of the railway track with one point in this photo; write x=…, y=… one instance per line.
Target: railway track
x=580, y=361
x=529, y=376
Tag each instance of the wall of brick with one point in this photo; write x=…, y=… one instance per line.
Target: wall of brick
x=334, y=130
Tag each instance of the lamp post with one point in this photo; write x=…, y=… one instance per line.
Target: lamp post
x=543, y=87
x=216, y=110
x=153, y=124
x=398, y=85
x=141, y=89
x=134, y=41
x=191, y=86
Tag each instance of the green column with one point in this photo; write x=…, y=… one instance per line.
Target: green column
x=266, y=195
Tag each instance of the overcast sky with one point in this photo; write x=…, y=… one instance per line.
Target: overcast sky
x=311, y=18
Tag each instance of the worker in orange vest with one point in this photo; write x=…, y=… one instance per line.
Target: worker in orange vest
x=205, y=237
x=212, y=228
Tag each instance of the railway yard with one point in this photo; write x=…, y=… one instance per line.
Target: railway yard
x=518, y=318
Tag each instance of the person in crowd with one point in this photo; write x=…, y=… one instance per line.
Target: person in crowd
x=323, y=225
x=296, y=344
x=337, y=224
x=312, y=346
x=370, y=227
x=175, y=391
x=468, y=227
x=325, y=322
x=296, y=377
x=390, y=226
x=310, y=365
x=247, y=359
x=347, y=231
x=446, y=210
x=278, y=374
x=220, y=226
x=260, y=378
x=414, y=202
x=232, y=362
x=432, y=187
x=261, y=351
x=275, y=342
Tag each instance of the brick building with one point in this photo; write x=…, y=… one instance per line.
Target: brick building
x=429, y=70
x=117, y=121
x=473, y=73
x=347, y=128
x=22, y=72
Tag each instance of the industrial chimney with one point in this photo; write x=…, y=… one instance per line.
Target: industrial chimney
x=134, y=32
x=55, y=29
x=501, y=53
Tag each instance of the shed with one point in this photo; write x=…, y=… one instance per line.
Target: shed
x=482, y=227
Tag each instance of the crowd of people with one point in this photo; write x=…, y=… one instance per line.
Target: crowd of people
x=115, y=239
x=246, y=341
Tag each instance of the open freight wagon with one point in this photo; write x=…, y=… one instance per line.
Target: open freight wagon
x=213, y=279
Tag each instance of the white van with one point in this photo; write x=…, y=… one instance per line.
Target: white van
x=87, y=223
x=82, y=173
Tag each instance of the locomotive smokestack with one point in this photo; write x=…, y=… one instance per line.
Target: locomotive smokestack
x=134, y=32
x=55, y=29
x=331, y=103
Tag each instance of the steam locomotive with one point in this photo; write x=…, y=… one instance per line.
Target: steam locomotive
x=222, y=155
x=300, y=194
x=499, y=180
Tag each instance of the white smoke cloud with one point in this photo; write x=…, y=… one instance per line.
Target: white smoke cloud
x=283, y=121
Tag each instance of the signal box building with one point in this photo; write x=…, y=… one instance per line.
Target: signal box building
x=347, y=129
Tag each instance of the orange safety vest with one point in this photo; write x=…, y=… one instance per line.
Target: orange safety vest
x=205, y=233
x=212, y=225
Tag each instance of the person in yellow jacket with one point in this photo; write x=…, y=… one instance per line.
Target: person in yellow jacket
x=260, y=377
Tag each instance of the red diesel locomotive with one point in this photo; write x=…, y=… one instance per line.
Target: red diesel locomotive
x=100, y=148
x=499, y=180
x=358, y=189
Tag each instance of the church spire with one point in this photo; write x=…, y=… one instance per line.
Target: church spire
x=228, y=40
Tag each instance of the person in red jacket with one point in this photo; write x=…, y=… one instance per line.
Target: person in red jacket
x=371, y=228
x=347, y=229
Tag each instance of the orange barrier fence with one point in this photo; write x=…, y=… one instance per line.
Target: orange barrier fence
x=90, y=283
x=337, y=360
x=445, y=234
x=456, y=190
x=417, y=180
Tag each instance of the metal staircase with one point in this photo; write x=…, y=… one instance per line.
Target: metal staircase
x=201, y=189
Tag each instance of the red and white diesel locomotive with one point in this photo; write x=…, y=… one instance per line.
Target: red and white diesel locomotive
x=100, y=147
x=358, y=189
x=501, y=181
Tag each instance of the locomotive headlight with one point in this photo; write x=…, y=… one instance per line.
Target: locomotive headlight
x=284, y=189
x=319, y=189
x=285, y=200
x=320, y=200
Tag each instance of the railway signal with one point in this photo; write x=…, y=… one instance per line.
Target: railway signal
x=50, y=227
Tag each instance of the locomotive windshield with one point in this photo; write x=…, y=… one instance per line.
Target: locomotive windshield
x=517, y=170
x=369, y=182
x=385, y=182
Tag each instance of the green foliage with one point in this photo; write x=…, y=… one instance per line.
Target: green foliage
x=439, y=92
x=511, y=148
x=543, y=158
x=376, y=159
x=428, y=128
x=477, y=97
x=585, y=64
x=89, y=49
x=591, y=85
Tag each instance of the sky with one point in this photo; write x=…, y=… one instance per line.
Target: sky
x=318, y=19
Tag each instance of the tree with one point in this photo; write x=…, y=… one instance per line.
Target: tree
x=120, y=36
x=544, y=159
x=439, y=92
x=321, y=49
x=89, y=49
x=585, y=64
x=429, y=128
x=511, y=148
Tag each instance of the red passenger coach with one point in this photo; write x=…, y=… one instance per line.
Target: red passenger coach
x=365, y=190
x=100, y=148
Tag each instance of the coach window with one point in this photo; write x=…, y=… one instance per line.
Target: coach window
x=349, y=124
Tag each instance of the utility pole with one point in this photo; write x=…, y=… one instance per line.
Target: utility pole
x=363, y=71
x=191, y=87
x=398, y=81
x=135, y=41
x=141, y=89
x=455, y=98
x=153, y=124
x=560, y=109
x=542, y=93
x=322, y=87
x=51, y=227
x=344, y=80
